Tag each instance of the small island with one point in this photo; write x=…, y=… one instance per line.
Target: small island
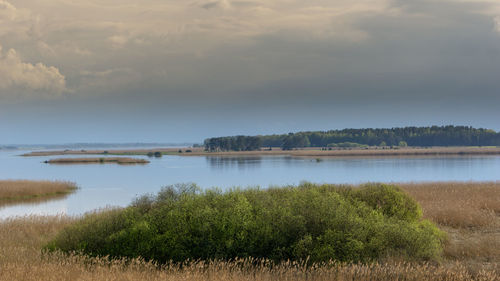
x=98, y=160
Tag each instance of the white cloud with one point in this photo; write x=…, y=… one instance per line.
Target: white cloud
x=14, y=20
x=7, y=11
x=16, y=75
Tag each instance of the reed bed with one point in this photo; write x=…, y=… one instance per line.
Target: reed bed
x=14, y=191
x=471, y=253
x=458, y=204
x=80, y=268
x=469, y=212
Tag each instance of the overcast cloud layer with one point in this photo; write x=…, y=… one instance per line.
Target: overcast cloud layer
x=200, y=68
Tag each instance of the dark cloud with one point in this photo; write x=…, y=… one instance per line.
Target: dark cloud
x=239, y=67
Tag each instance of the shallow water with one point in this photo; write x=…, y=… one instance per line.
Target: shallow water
x=104, y=185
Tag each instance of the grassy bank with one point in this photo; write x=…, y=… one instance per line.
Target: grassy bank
x=471, y=253
x=17, y=191
x=98, y=160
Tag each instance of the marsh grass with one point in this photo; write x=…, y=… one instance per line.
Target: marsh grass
x=458, y=205
x=470, y=214
x=471, y=253
x=19, y=191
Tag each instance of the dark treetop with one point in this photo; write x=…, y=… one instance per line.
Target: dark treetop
x=412, y=136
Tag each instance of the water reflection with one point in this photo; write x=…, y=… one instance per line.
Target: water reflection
x=231, y=162
x=47, y=208
x=33, y=200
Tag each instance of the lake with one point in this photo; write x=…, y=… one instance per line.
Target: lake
x=105, y=185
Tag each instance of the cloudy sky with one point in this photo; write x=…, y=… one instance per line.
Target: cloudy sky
x=173, y=71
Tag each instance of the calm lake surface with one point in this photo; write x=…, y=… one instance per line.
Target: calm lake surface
x=107, y=185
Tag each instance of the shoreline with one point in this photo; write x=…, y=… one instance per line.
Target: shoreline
x=306, y=152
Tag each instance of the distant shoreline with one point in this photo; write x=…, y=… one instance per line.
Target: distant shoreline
x=307, y=152
x=97, y=160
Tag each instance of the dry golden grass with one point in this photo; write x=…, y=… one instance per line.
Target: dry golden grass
x=471, y=254
x=458, y=204
x=470, y=214
x=98, y=160
x=16, y=191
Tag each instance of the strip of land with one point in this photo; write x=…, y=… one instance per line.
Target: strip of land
x=468, y=212
x=306, y=152
x=22, y=191
x=102, y=160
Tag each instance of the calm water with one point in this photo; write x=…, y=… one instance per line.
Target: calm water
x=115, y=185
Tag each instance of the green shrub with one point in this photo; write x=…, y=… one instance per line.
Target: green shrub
x=315, y=222
x=403, y=144
x=390, y=200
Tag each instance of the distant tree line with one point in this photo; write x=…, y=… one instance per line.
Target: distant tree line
x=407, y=136
x=236, y=143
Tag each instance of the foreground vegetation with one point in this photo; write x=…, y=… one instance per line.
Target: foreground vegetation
x=472, y=251
x=412, y=136
x=315, y=222
x=17, y=191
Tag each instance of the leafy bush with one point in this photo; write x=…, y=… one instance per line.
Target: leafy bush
x=319, y=222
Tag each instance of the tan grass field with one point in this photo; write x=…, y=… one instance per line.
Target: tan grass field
x=469, y=212
x=97, y=160
x=16, y=191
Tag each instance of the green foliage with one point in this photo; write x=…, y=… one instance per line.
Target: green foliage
x=412, y=136
x=346, y=144
x=236, y=143
x=315, y=222
x=295, y=140
x=388, y=199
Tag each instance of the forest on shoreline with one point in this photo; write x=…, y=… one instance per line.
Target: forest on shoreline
x=402, y=137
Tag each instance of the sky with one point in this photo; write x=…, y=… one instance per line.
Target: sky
x=182, y=71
